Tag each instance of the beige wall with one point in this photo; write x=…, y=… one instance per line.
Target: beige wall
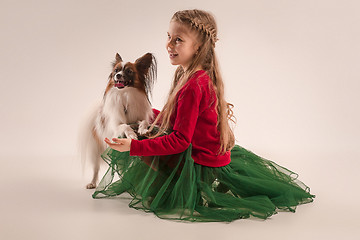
x=290, y=68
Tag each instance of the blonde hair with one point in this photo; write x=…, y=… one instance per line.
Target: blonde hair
x=205, y=26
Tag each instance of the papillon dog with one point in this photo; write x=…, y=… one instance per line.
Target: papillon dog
x=125, y=101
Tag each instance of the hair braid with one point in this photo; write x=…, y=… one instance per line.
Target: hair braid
x=208, y=30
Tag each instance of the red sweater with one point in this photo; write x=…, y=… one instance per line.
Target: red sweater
x=194, y=121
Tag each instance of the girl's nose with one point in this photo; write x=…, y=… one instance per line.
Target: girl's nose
x=169, y=48
x=169, y=44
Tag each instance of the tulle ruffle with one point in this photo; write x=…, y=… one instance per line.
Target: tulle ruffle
x=174, y=187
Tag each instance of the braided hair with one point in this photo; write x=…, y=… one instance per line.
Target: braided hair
x=209, y=31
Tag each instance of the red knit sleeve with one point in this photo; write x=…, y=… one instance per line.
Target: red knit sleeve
x=180, y=138
x=156, y=113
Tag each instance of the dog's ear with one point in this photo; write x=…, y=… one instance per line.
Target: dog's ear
x=144, y=63
x=147, y=68
x=118, y=58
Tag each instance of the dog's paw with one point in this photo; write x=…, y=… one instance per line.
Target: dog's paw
x=91, y=186
x=121, y=130
x=142, y=131
x=143, y=127
x=131, y=134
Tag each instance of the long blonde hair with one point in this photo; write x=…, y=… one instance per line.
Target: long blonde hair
x=205, y=25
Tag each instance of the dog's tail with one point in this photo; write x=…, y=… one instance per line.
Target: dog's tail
x=87, y=146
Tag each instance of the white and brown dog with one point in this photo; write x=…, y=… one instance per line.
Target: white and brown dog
x=125, y=101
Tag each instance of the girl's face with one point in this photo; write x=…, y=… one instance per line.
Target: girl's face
x=181, y=44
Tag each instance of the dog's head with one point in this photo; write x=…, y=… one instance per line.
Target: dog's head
x=141, y=74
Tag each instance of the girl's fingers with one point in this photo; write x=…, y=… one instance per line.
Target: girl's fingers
x=118, y=144
x=108, y=141
x=119, y=141
x=116, y=140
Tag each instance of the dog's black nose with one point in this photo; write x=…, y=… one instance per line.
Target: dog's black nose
x=118, y=76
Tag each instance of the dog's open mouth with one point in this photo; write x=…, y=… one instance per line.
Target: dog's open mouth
x=120, y=84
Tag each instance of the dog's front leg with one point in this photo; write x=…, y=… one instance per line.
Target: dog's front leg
x=125, y=130
x=95, y=176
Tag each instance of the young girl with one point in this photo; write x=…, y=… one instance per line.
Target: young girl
x=189, y=168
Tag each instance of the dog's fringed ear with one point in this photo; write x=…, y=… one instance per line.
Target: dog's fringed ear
x=118, y=58
x=147, y=67
x=143, y=63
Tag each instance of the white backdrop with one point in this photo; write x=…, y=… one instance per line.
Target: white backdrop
x=291, y=68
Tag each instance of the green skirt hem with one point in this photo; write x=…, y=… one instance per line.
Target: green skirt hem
x=174, y=187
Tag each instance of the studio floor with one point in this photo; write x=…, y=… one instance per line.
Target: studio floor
x=45, y=198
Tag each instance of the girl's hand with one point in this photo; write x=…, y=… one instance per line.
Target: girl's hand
x=121, y=145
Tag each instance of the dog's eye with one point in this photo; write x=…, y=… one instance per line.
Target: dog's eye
x=129, y=71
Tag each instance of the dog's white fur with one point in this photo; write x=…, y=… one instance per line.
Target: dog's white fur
x=118, y=108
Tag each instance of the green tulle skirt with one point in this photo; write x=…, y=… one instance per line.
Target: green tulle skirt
x=174, y=187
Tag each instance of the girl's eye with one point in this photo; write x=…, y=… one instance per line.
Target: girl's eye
x=177, y=39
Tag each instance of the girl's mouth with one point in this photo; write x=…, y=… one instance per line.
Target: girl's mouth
x=172, y=55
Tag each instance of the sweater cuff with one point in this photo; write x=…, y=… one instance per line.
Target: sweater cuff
x=135, y=147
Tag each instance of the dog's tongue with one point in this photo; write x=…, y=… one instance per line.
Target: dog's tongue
x=119, y=84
